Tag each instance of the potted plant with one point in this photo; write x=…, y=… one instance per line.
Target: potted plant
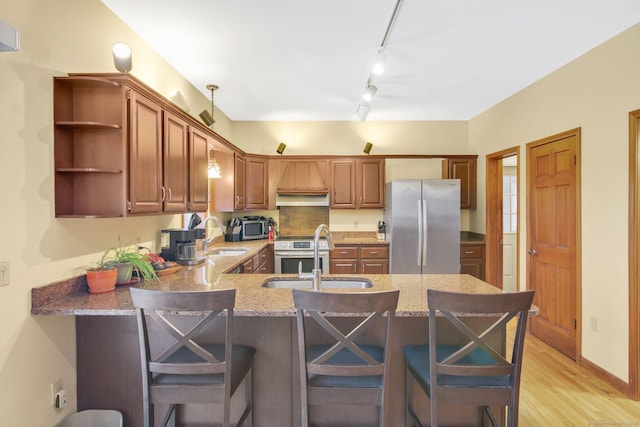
x=126, y=259
x=102, y=278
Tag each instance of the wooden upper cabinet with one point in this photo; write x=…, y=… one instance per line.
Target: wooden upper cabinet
x=357, y=183
x=463, y=169
x=239, y=183
x=145, y=154
x=303, y=176
x=199, y=143
x=257, y=183
x=176, y=163
x=122, y=149
x=370, y=183
x=343, y=184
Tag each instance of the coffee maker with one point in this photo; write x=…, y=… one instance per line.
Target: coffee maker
x=179, y=245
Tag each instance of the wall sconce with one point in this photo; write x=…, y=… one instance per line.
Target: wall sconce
x=213, y=168
x=122, y=57
x=9, y=41
x=281, y=148
x=367, y=147
x=179, y=100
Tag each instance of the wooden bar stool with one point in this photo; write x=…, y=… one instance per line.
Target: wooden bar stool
x=343, y=371
x=177, y=368
x=472, y=373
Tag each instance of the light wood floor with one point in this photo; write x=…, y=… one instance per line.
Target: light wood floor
x=555, y=391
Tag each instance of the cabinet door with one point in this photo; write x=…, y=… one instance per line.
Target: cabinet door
x=176, y=163
x=472, y=260
x=257, y=183
x=465, y=171
x=239, y=182
x=145, y=155
x=374, y=266
x=343, y=266
x=222, y=190
x=198, y=178
x=370, y=183
x=343, y=184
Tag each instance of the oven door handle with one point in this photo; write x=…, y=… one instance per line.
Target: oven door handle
x=299, y=254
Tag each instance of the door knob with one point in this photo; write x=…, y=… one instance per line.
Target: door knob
x=532, y=251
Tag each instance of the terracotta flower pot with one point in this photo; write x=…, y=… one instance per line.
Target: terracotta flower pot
x=101, y=281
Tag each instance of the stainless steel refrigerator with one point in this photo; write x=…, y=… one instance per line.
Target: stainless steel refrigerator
x=423, y=226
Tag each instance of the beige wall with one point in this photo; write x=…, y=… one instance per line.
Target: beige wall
x=595, y=92
x=55, y=38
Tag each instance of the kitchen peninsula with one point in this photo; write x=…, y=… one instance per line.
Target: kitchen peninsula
x=108, y=370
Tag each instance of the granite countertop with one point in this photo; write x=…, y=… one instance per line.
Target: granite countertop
x=356, y=238
x=71, y=297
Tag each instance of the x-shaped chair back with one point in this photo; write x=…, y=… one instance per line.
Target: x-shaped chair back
x=491, y=364
x=159, y=306
x=333, y=359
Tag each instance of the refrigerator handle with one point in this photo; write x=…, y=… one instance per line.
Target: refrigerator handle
x=419, y=233
x=424, y=228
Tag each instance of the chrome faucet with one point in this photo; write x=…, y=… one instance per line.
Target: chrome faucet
x=207, y=241
x=315, y=275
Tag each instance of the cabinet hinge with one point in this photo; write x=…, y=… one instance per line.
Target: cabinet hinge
x=575, y=324
x=574, y=159
x=129, y=205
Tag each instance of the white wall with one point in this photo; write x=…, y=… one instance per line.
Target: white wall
x=595, y=92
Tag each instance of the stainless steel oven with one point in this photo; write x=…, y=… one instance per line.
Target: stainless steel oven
x=290, y=252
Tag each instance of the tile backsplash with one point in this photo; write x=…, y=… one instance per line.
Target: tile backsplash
x=301, y=220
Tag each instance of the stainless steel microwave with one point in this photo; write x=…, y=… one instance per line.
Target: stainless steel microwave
x=254, y=229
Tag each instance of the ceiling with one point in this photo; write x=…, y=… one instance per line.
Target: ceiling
x=310, y=60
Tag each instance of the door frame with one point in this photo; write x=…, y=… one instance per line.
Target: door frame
x=578, y=224
x=634, y=252
x=493, y=238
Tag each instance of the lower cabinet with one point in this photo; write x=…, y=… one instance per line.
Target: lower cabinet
x=363, y=259
x=472, y=260
x=261, y=263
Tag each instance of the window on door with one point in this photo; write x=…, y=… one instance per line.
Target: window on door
x=510, y=203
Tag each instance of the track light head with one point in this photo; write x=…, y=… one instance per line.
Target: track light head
x=367, y=147
x=369, y=91
x=281, y=148
x=378, y=65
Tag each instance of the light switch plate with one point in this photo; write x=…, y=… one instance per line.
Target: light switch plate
x=4, y=273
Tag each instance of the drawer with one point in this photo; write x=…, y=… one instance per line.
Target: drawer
x=471, y=251
x=344, y=252
x=375, y=252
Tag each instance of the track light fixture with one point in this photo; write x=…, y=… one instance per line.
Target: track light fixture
x=369, y=91
x=122, y=57
x=367, y=147
x=281, y=148
x=378, y=67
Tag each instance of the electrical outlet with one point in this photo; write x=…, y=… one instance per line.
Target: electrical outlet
x=55, y=389
x=4, y=273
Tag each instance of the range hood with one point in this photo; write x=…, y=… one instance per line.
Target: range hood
x=302, y=200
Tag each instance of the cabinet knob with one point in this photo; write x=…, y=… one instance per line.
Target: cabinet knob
x=169, y=200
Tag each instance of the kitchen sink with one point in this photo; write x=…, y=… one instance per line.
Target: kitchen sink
x=228, y=251
x=326, y=283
